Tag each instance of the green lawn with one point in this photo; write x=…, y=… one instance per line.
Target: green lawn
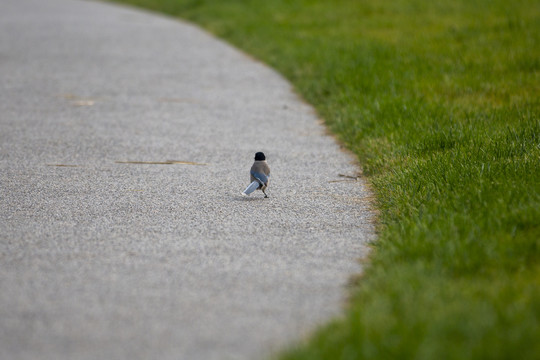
x=440, y=101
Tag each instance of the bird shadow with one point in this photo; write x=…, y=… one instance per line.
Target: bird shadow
x=248, y=198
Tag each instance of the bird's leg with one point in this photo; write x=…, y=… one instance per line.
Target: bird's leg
x=265, y=196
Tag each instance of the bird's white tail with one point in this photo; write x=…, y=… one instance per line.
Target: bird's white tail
x=251, y=188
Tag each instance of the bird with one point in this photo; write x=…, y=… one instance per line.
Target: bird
x=259, y=175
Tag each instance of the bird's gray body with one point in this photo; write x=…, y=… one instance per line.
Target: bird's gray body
x=260, y=171
x=259, y=177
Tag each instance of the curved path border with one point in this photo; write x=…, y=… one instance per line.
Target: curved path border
x=126, y=139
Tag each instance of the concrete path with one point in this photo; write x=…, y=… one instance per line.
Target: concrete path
x=105, y=259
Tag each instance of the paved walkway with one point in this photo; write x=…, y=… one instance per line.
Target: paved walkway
x=102, y=257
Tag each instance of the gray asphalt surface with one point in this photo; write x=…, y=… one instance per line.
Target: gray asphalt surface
x=107, y=260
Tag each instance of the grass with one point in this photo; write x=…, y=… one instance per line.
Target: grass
x=440, y=102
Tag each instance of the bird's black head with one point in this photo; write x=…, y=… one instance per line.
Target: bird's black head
x=260, y=156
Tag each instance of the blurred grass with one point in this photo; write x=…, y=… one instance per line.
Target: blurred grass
x=440, y=101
